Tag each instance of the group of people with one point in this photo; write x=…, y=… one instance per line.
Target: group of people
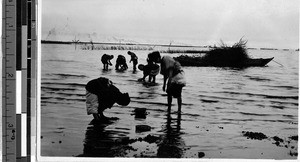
x=120, y=62
x=102, y=94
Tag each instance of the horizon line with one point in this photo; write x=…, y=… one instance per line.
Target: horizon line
x=149, y=44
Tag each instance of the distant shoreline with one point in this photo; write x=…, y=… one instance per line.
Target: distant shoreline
x=147, y=44
x=142, y=44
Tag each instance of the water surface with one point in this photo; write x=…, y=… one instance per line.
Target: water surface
x=219, y=104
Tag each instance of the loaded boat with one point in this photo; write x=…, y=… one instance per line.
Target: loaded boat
x=224, y=56
x=185, y=60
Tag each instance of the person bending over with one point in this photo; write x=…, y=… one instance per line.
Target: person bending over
x=121, y=63
x=173, y=73
x=134, y=59
x=102, y=94
x=152, y=68
x=105, y=59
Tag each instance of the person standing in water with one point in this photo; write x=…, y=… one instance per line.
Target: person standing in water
x=134, y=59
x=174, y=79
x=105, y=59
x=152, y=68
x=121, y=63
x=102, y=94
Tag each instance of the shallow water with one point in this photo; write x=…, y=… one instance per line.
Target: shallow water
x=218, y=105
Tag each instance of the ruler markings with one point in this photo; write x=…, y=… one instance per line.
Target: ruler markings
x=9, y=143
x=8, y=4
x=9, y=79
x=18, y=31
x=10, y=30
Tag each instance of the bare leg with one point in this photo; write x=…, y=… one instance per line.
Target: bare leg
x=169, y=102
x=150, y=78
x=178, y=121
x=169, y=114
x=179, y=102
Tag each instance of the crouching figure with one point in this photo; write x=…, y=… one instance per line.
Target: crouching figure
x=102, y=94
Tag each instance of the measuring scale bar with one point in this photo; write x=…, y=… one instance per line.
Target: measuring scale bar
x=17, y=65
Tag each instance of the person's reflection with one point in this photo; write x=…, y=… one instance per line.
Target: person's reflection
x=172, y=145
x=100, y=142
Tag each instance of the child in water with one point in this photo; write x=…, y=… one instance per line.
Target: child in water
x=102, y=94
x=152, y=68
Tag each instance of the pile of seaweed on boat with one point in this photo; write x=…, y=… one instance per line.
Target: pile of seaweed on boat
x=224, y=56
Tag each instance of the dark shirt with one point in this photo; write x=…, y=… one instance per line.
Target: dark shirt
x=133, y=56
x=121, y=60
x=106, y=59
x=106, y=92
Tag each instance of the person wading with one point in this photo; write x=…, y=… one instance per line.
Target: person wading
x=102, y=94
x=174, y=79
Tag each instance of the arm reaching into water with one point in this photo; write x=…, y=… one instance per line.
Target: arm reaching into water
x=167, y=77
x=165, y=80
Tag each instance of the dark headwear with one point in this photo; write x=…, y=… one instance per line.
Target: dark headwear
x=123, y=99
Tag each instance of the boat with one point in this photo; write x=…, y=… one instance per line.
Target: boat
x=257, y=62
x=199, y=61
x=224, y=56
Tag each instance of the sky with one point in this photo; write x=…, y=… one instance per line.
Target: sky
x=264, y=23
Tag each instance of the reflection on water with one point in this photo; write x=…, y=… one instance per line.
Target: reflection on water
x=98, y=142
x=172, y=145
x=101, y=142
x=218, y=105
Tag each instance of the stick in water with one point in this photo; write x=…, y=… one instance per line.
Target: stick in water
x=277, y=63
